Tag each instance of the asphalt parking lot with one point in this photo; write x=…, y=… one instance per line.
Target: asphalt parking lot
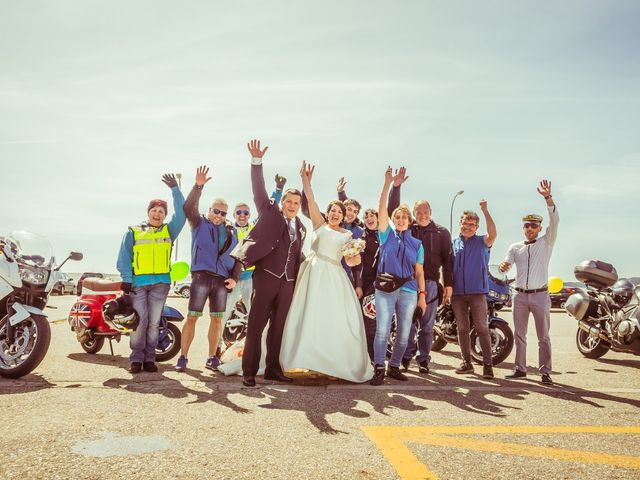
x=83, y=416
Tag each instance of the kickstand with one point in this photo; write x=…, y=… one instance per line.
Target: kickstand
x=111, y=346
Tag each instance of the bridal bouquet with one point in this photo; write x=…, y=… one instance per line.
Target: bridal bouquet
x=353, y=247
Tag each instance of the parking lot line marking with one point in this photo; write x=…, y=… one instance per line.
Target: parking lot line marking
x=391, y=441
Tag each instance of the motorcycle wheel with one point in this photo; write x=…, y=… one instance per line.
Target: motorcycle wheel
x=501, y=343
x=438, y=343
x=590, y=346
x=31, y=342
x=175, y=337
x=392, y=338
x=92, y=345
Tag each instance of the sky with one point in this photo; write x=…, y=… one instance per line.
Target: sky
x=99, y=99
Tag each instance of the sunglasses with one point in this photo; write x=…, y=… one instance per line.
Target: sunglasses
x=219, y=212
x=242, y=212
x=531, y=225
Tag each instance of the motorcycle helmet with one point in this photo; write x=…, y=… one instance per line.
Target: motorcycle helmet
x=369, y=306
x=622, y=291
x=121, y=314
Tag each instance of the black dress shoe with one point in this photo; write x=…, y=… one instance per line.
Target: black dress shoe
x=249, y=380
x=394, y=372
x=546, y=379
x=277, y=376
x=135, y=367
x=516, y=374
x=423, y=367
x=149, y=367
x=405, y=363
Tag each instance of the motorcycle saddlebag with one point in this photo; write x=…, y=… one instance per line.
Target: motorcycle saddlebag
x=596, y=273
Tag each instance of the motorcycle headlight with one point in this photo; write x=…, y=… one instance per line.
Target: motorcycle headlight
x=504, y=296
x=34, y=276
x=493, y=293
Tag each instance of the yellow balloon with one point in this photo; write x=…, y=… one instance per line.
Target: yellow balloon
x=555, y=284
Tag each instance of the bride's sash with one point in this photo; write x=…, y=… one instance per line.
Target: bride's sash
x=323, y=257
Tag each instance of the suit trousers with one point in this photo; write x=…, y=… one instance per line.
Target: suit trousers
x=539, y=304
x=270, y=304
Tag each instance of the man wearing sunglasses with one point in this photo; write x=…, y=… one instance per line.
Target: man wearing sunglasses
x=531, y=257
x=213, y=271
x=274, y=246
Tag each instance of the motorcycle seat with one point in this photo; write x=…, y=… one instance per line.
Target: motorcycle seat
x=101, y=285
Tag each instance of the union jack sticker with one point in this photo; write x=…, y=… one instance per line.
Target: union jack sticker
x=80, y=314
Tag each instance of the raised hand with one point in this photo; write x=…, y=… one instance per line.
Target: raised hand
x=483, y=204
x=201, y=175
x=280, y=181
x=170, y=180
x=341, y=185
x=306, y=172
x=388, y=176
x=400, y=177
x=254, y=149
x=545, y=188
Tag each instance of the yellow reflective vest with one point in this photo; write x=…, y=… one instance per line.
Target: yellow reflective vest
x=243, y=232
x=151, y=249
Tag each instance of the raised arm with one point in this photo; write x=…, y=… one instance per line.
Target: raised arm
x=492, y=233
x=552, y=230
x=383, y=215
x=260, y=197
x=306, y=173
x=178, y=218
x=394, y=197
x=342, y=195
x=190, y=206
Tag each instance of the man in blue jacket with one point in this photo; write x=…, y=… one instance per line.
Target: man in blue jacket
x=144, y=263
x=471, y=285
x=213, y=272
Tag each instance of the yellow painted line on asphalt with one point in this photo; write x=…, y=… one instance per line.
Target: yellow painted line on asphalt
x=392, y=443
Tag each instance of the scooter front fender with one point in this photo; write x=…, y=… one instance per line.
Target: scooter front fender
x=497, y=319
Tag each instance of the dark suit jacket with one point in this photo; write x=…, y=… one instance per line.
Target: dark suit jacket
x=264, y=244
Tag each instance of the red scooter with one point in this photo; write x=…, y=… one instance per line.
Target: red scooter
x=91, y=326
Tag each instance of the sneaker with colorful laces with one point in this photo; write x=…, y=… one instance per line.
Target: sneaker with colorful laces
x=212, y=363
x=181, y=366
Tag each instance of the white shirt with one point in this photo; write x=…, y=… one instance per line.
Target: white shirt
x=532, y=259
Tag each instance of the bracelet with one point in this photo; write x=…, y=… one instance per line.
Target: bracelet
x=256, y=161
x=548, y=197
x=422, y=292
x=198, y=187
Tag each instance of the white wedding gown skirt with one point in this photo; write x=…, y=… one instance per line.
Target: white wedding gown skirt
x=324, y=331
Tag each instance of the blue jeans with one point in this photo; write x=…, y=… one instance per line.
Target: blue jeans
x=425, y=334
x=403, y=304
x=148, y=301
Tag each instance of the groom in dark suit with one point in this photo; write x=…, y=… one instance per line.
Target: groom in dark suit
x=274, y=246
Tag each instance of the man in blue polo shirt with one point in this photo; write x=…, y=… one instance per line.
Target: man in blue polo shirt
x=471, y=285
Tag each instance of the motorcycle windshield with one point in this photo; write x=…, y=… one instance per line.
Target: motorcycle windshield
x=497, y=276
x=30, y=248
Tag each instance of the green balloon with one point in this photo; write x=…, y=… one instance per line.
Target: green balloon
x=179, y=270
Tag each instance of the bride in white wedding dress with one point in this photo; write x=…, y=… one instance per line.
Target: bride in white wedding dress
x=324, y=331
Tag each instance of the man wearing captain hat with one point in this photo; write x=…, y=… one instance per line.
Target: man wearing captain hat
x=531, y=257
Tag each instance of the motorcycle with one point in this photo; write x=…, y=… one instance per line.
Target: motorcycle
x=28, y=273
x=445, y=329
x=91, y=326
x=607, y=311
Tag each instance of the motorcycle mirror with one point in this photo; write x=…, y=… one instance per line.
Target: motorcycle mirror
x=75, y=256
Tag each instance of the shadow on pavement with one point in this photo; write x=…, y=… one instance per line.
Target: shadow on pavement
x=29, y=383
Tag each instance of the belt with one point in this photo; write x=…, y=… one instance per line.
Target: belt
x=535, y=290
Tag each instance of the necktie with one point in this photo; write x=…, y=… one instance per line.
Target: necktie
x=292, y=229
